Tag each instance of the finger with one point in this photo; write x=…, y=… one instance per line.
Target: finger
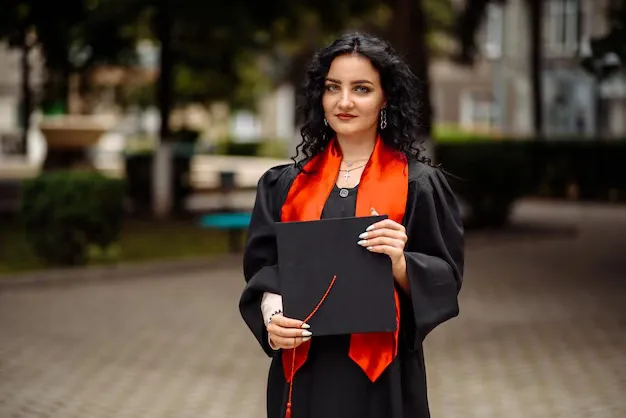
x=392, y=252
x=391, y=242
x=386, y=223
x=285, y=322
x=373, y=212
x=385, y=232
x=274, y=329
x=287, y=343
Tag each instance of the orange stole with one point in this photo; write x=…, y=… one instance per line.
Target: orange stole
x=384, y=187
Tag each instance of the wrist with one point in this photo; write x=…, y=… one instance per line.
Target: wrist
x=399, y=271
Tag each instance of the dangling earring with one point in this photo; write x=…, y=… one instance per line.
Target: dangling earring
x=383, y=118
x=325, y=122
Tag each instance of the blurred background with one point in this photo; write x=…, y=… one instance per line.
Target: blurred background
x=132, y=137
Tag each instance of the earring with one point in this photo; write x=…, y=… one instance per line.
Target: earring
x=383, y=118
x=325, y=122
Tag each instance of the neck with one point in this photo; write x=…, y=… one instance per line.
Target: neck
x=354, y=148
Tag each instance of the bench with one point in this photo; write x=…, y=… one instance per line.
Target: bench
x=233, y=222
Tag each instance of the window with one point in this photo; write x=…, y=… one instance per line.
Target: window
x=561, y=27
x=477, y=110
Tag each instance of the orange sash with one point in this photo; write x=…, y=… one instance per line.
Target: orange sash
x=384, y=187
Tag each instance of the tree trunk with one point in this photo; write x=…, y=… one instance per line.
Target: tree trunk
x=536, y=29
x=162, y=184
x=407, y=34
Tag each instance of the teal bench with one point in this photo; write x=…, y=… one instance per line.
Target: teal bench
x=233, y=222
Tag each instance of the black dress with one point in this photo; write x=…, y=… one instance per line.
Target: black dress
x=330, y=384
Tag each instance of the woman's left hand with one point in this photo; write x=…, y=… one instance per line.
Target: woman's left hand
x=387, y=237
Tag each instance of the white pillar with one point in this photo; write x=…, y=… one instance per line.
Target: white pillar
x=162, y=181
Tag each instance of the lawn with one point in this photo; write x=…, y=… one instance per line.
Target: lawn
x=140, y=241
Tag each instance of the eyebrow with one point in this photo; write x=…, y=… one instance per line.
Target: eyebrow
x=332, y=80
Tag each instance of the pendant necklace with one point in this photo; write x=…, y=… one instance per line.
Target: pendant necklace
x=344, y=192
x=347, y=171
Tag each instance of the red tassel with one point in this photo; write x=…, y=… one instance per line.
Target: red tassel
x=293, y=354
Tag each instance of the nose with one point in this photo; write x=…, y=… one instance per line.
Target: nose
x=345, y=101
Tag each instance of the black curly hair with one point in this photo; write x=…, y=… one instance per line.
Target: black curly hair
x=399, y=85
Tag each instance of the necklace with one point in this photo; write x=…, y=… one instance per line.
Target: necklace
x=347, y=171
x=350, y=163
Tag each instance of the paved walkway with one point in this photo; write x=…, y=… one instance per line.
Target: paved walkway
x=542, y=334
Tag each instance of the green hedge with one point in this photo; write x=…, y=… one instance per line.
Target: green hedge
x=494, y=172
x=587, y=170
x=488, y=175
x=66, y=213
x=272, y=148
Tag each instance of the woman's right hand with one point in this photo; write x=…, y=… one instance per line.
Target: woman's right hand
x=283, y=331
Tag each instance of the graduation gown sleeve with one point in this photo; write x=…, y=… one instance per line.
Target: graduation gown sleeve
x=435, y=250
x=260, y=259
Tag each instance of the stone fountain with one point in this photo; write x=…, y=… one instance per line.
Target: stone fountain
x=69, y=139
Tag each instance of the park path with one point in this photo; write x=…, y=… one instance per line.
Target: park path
x=542, y=334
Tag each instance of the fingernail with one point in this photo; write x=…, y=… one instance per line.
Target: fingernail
x=306, y=333
x=306, y=339
x=369, y=248
x=369, y=228
x=362, y=242
x=363, y=235
x=305, y=326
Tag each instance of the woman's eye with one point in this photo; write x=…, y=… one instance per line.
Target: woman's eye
x=331, y=87
x=362, y=89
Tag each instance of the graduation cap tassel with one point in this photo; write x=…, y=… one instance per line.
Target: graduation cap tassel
x=293, y=355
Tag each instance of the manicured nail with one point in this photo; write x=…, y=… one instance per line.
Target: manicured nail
x=362, y=242
x=363, y=235
x=306, y=339
x=369, y=248
x=305, y=326
x=369, y=228
x=306, y=333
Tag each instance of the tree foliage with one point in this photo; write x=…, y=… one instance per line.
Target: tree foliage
x=231, y=51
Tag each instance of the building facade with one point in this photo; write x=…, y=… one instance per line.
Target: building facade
x=495, y=95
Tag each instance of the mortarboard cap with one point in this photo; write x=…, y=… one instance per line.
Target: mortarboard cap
x=311, y=253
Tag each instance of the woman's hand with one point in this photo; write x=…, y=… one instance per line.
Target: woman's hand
x=286, y=333
x=388, y=237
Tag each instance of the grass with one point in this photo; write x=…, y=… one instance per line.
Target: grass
x=141, y=240
x=449, y=133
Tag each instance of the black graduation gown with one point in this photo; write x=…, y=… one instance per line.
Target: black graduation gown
x=330, y=384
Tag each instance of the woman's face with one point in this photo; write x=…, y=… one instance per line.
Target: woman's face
x=352, y=96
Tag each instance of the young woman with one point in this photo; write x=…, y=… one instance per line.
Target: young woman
x=358, y=142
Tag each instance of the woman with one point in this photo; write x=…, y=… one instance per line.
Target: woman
x=358, y=142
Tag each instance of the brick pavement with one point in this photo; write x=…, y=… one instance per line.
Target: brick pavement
x=541, y=335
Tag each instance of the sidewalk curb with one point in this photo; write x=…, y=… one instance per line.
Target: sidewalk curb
x=121, y=271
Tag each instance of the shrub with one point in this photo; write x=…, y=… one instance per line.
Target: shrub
x=65, y=213
x=493, y=174
x=582, y=169
x=260, y=147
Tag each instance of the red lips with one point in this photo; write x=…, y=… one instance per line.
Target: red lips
x=345, y=116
